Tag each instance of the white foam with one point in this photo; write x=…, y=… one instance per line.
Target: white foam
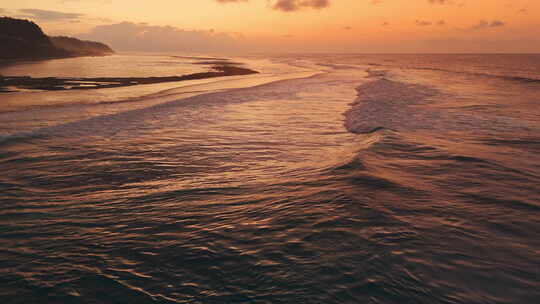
x=384, y=103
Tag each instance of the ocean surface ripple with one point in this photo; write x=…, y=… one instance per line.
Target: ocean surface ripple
x=354, y=185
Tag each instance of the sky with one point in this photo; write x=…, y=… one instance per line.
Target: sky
x=282, y=26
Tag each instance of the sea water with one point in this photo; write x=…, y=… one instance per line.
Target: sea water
x=324, y=179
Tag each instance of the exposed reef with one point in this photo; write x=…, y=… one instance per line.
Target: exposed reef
x=25, y=83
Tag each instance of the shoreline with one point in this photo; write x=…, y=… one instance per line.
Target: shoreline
x=11, y=84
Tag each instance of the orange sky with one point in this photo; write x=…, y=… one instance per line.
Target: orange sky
x=294, y=25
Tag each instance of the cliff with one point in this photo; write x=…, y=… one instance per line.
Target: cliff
x=23, y=39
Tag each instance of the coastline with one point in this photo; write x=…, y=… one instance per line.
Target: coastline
x=9, y=84
x=155, y=90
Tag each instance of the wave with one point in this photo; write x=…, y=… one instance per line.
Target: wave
x=108, y=124
x=6, y=139
x=522, y=79
x=385, y=104
x=376, y=73
x=504, y=77
x=338, y=66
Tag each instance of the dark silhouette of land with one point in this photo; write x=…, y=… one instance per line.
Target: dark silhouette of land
x=13, y=84
x=78, y=47
x=24, y=40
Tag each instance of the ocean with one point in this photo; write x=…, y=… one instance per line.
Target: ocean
x=325, y=178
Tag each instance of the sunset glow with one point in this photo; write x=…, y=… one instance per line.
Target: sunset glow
x=270, y=151
x=289, y=26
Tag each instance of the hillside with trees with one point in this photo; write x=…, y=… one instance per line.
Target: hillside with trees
x=23, y=39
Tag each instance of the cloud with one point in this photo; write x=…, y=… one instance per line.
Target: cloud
x=423, y=23
x=294, y=5
x=290, y=5
x=429, y=23
x=46, y=15
x=143, y=37
x=441, y=1
x=482, y=24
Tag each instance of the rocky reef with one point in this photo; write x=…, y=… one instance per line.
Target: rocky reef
x=26, y=83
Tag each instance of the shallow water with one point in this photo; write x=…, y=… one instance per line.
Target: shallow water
x=346, y=186
x=118, y=65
